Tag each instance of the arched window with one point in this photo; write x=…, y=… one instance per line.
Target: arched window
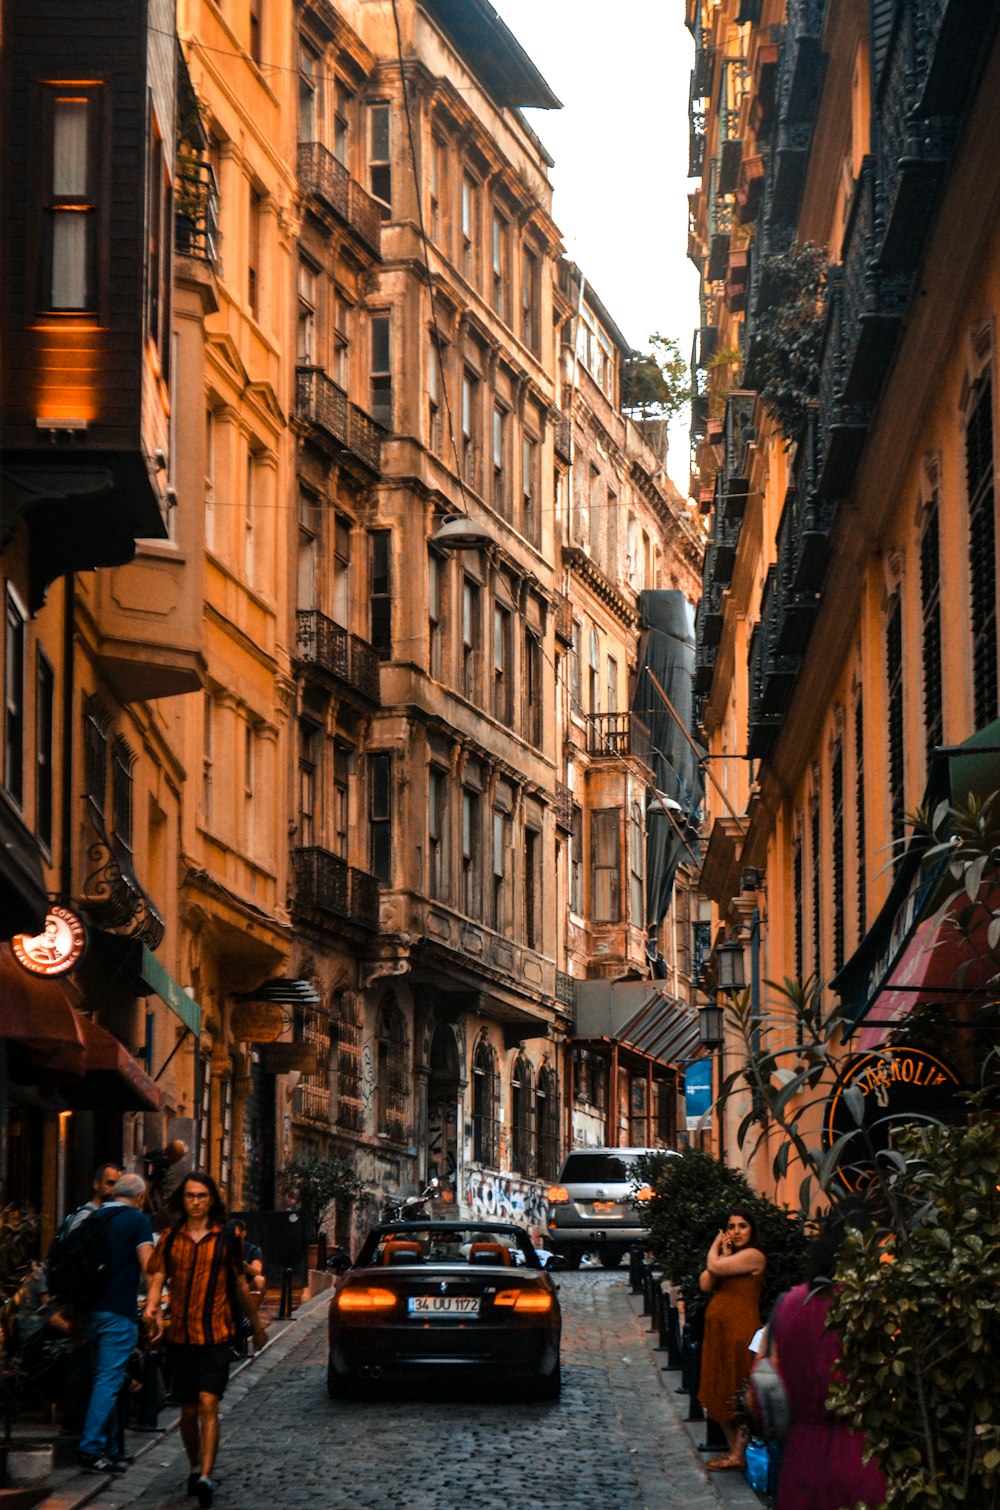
x=485, y=1105
x=522, y=1143
x=547, y=1123
x=393, y=1080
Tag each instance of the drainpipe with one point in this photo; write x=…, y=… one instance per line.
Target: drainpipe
x=69, y=692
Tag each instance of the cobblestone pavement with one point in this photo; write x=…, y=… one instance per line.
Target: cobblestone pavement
x=613, y=1441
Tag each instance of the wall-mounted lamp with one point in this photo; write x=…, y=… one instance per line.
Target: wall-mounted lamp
x=730, y=968
x=461, y=533
x=710, y=1026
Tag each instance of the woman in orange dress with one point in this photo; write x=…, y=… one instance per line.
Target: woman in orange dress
x=733, y=1278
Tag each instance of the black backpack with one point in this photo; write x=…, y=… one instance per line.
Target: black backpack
x=79, y=1263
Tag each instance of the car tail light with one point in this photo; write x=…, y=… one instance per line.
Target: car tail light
x=524, y=1300
x=370, y=1299
x=557, y=1195
x=645, y=1193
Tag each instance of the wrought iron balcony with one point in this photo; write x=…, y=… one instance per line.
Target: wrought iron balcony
x=750, y=188
x=196, y=210
x=952, y=34
x=843, y=426
x=326, y=882
x=738, y=435
x=565, y=990
x=112, y=893
x=564, y=807
x=311, y=1103
x=563, y=618
x=710, y=614
x=321, y=175
x=772, y=672
x=615, y=734
x=320, y=402
x=330, y=647
x=562, y=437
x=704, y=667
x=874, y=302
x=728, y=165
x=802, y=60
x=722, y=548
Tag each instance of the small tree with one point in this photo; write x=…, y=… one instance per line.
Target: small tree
x=656, y=384
x=316, y=1182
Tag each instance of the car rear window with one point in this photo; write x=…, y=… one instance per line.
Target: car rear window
x=593, y=1168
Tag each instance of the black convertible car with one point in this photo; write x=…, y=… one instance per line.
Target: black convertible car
x=447, y=1300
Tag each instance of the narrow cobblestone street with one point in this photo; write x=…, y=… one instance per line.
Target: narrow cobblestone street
x=614, y=1440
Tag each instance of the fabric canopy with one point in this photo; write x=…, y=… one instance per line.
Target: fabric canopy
x=638, y=1016
x=113, y=1080
x=36, y=1015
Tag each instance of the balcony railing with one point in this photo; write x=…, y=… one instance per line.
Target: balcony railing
x=322, y=403
x=564, y=807
x=321, y=174
x=563, y=619
x=565, y=991
x=617, y=734
x=312, y=1102
x=325, y=881
x=738, y=434
x=346, y=656
x=874, y=301
x=843, y=426
x=562, y=433
x=196, y=210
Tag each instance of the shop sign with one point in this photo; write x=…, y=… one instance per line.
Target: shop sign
x=697, y=1093
x=283, y=1058
x=257, y=1022
x=894, y=1082
x=60, y=945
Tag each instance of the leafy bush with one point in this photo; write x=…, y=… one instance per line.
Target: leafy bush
x=317, y=1181
x=916, y=1307
x=787, y=333
x=691, y=1195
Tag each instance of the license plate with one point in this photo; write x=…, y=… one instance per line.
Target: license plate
x=443, y=1305
x=604, y=1208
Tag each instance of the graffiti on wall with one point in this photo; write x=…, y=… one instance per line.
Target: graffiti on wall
x=368, y=1079
x=442, y=1138
x=504, y=1198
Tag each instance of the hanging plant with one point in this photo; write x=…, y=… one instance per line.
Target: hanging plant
x=786, y=334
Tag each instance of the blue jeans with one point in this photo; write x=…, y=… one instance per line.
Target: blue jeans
x=112, y=1338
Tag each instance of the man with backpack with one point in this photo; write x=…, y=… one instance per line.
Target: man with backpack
x=113, y=1261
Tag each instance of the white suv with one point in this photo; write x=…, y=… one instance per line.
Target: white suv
x=596, y=1206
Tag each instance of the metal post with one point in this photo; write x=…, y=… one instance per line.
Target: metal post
x=285, y=1308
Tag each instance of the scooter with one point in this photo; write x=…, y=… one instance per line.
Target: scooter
x=413, y=1208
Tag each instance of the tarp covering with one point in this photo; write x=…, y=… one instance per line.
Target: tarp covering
x=666, y=648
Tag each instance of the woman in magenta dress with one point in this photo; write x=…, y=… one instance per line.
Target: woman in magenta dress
x=821, y=1461
x=733, y=1278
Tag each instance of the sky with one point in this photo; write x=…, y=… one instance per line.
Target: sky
x=620, y=145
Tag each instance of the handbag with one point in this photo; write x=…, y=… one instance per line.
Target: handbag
x=767, y=1398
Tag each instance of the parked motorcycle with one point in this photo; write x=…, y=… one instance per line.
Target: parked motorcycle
x=412, y=1208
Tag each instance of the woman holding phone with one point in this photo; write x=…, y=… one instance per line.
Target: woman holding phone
x=733, y=1278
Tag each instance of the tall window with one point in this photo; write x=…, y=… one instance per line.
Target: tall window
x=594, y=674
x=438, y=187
x=547, y=1123
x=13, y=750
x=256, y=27
x=576, y=862
x=930, y=607
x=817, y=914
x=470, y=215
x=343, y=105
x=380, y=816
x=306, y=353
x=530, y=452
x=435, y=614
x=96, y=726
x=341, y=342
x=207, y=760
x=250, y=788
x=502, y=678
x=393, y=1078
x=982, y=555
x=605, y=860
x=256, y=213
x=435, y=424
x=498, y=909
x=837, y=877
x=470, y=429
x=310, y=77
x=342, y=571
x=501, y=479
x=437, y=833
x=500, y=271
x=575, y=681
x=894, y=700
x=158, y=213
x=343, y=758
x=44, y=749
x=471, y=635
x=636, y=866
x=380, y=591
x=531, y=722
x=485, y=1106
x=71, y=208
x=380, y=156
x=472, y=869
x=797, y=882
x=211, y=424
x=532, y=887
x=250, y=523
x=522, y=1150
x=309, y=748
x=122, y=784
x=612, y=670
x=381, y=370
x=529, y=299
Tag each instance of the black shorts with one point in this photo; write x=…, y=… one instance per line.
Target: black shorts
x=198, y=1368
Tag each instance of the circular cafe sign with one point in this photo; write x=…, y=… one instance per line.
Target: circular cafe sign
x=58, y=947
x=876, y=1092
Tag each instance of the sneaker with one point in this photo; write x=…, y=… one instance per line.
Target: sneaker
x=205, y=1491
x=95, y=1463
x=193, y=1478
x=119, y=1465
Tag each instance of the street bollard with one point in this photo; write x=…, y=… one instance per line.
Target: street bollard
x=647, y=1290
x=285, y=1307
x=663, y=1321
x=635, y=1268
x=695, y=1411
x=673, y=1337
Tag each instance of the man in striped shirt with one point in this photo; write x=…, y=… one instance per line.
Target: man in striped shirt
x=202, y=1263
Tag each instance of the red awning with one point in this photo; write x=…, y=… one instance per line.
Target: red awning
x=947, y=958
x=113, y=1079
x=36, y=1015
